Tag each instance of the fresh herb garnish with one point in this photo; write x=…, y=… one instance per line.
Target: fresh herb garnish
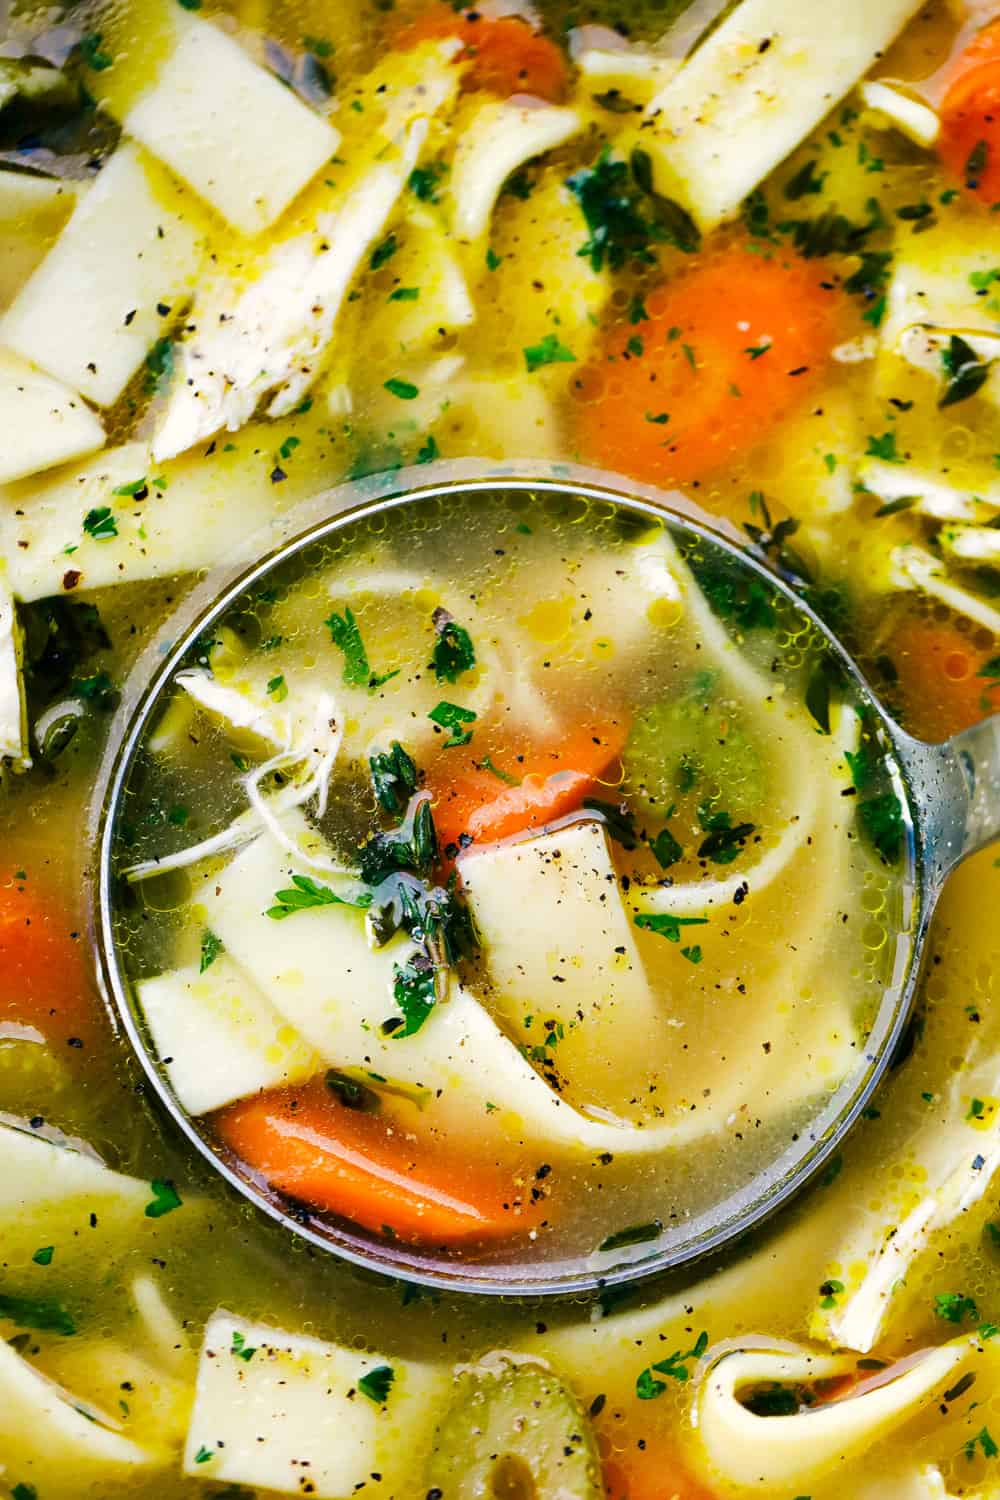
x=37, y=1312
x=428, y=451
x=346, y=635
x=617, y=819
x=883, y=446
x=549, y=351
x=165, y=1198
x=724, y=839
x=675, y=1367
x=241, y=1348
x=405, y=294
x=804, y=182
x=636, y=1234
x=486, y=764
x=451, y=717
x=985, y=1442
x=277, y=688
x=100, y=524
x=423, y=182
x=692, y=954
x=394, y=778
x=90, y=51
x=351, y=1093
x=453, y=651
x=203, y=1455
x=211, y=947
x=377, y=1384
x=745, y=600
x=383, y=252
x=955, y=1307
x=665, y=924
x=413, y=846
x=159, y=366
x=414, y=992
x=881, y=818
x=303, y=894
x=829, y=1291
x=965, y=372
x=404, y=390
x=43, y=1257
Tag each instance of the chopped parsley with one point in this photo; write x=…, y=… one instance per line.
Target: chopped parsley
x=955, y=1307
x=666, y=850
x=377, y=1384
x=883, y=447
x=159, y=366
x=724, y=840
x=100, y=524
x=137, y=490
x=414, y=992
x=550, y=351
x=881, y=819
x=636, y=1234
x=240, y=1347
x=492, y=259
x=805, y=181
x=277, y=688
x=829, y=1291
x=346, y=635
x=90, y=51
x=692, y=954
x=486, y=764
x=665, y=924
x=451, y=717
x=404, y=390
x=211, y=947
x=453, y=651
x=43, y=1257
x=383, y=252
x=41, y=1313
x=423, y=182
x=405, y=294
x=303, y=894
x=203, y=1455
x=984, y=1441
x=165, y=1198
x=674, y=1367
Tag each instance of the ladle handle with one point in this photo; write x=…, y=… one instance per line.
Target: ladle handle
x=956, y=787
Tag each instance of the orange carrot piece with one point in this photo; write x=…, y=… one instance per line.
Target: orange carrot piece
x=731, y=346
x=969, y=143
x=43, y=975
x=504, y=56
x=650, y=1474
x=942, y=684
x=364, y=1168
x=553, y=781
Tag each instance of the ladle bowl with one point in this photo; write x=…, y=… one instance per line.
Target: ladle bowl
x=949, y=796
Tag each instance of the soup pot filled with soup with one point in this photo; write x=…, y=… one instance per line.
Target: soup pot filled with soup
x=604, y=825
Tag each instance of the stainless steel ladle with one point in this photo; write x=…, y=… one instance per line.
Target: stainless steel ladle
x=950, y=796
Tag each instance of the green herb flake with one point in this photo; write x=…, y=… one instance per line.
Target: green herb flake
x=423, y=183
x=404, y=294
x=883, y=447
x=394, y=778
x=211, y=947
x=692, y=954
x=165, y=1198
x=43, y=1257
x=965, y=373
x=24, y=1492
x=666, y=850
x=377, y=1384
x=383, y=252
x=665, y=924
x=90, y=51
x=404, y=390
x=486, y=764
x=40, y=1313
x=453, y=651
x=277, y=688
x=428, y=451
x=289, y=446
x=240, y=1347
x=203, y=1455
x=550, y=351
x=100, y=524
x=303, y=894
x=414, y=992
x=984, y=1441
x=492, y=260
x=674, y=1367
x=636, y=1234
x=159, y=366
x=346, y=636
x=955, y=1307
x=137, y=489
x=451, y=717
x=832, y=1171
x=829, y=1292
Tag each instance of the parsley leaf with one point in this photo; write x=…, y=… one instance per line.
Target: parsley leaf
x=211, y=947
x=955, y=1307
x=90, y=51
x=549, y=352
x=405, y=390
x=882, y=820
x=451, y=717
x=346, y=635
x=884, y=447
x=43, y=1257
x=377, y=1384
x=986, y=1443
x=665, y=924
x=383, y=252
x=41, y=1313
x=675, y=1367
x=165, y=1198
x=423, y=182
x=414, y=992
x=240, y=1347
x=966, y=373
x=100, y=523
x=303, y=894
x=453, y=651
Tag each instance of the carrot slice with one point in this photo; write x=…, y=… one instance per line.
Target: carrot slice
x=43, y=975
x=364, y=1168
x=943, y=684
x=730, y=347
x=969, y=143
x=551, y=782
x=503, y=55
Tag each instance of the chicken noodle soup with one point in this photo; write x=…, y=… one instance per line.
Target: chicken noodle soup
x=508, y=877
